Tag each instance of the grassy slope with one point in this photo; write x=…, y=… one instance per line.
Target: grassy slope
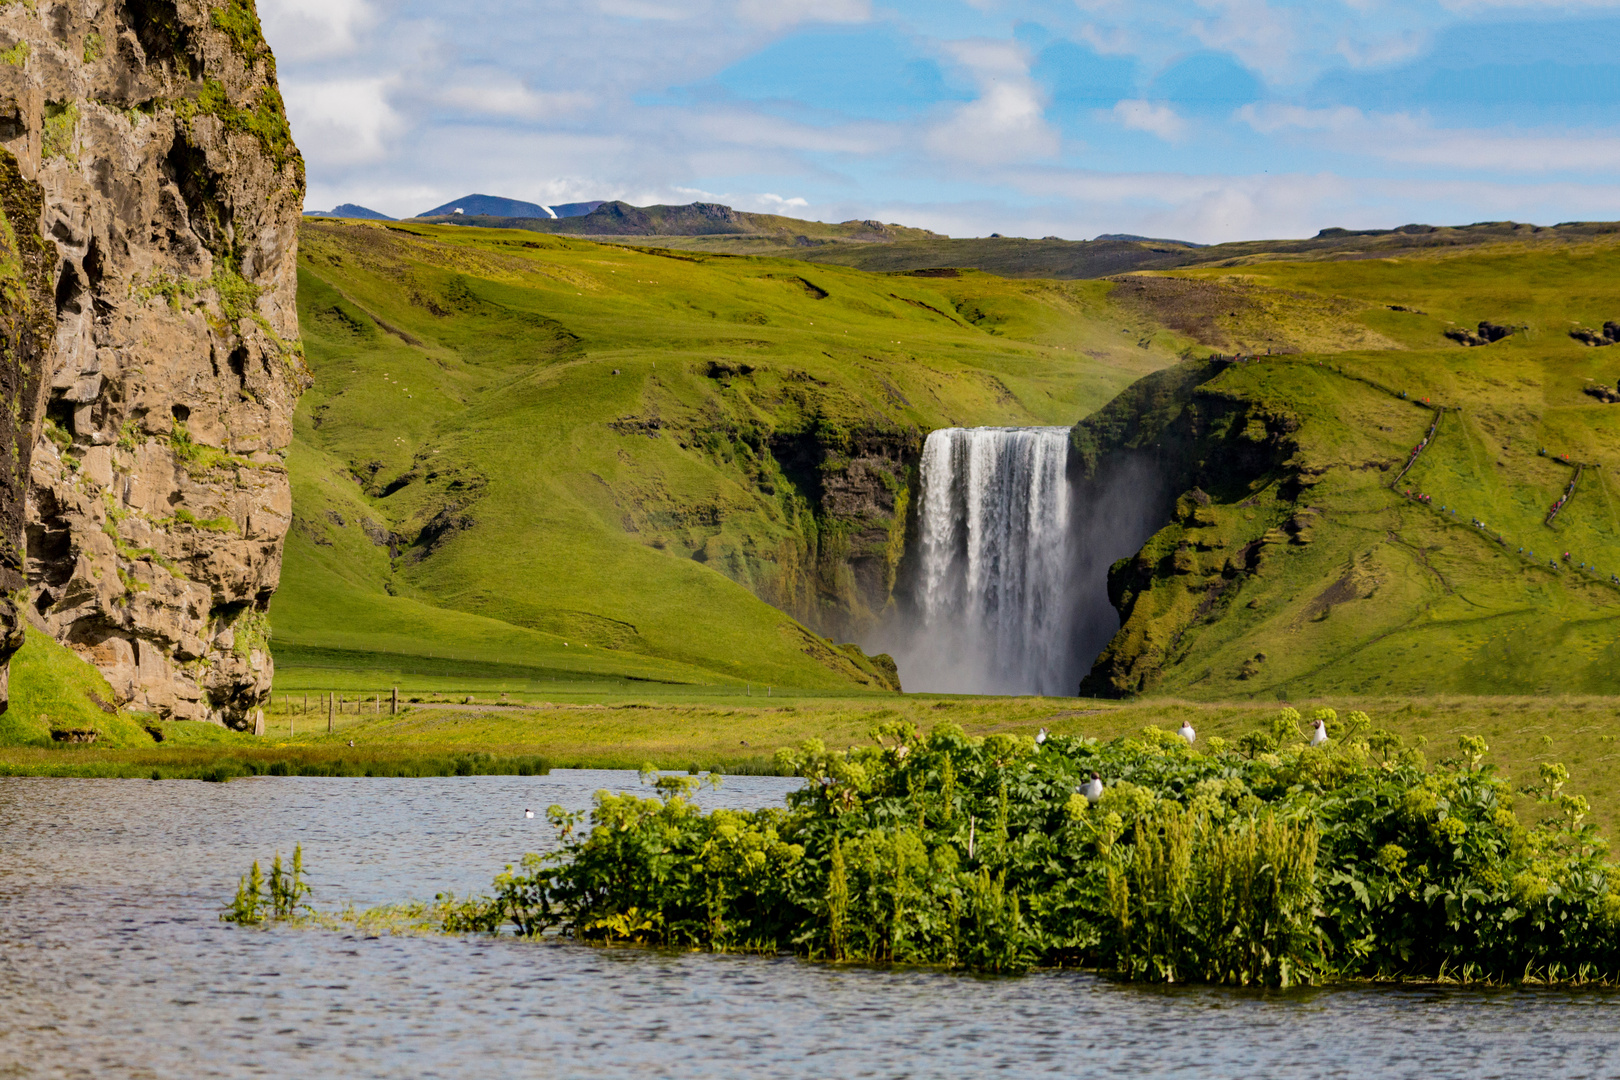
x=1388, y=595
x=466, y=385
x=51, y=689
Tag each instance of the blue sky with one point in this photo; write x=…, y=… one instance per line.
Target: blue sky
x=1207, y=120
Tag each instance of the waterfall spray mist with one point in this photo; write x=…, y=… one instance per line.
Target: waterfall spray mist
x=991, y=594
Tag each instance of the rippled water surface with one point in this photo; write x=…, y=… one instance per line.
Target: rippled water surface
x=113, y=964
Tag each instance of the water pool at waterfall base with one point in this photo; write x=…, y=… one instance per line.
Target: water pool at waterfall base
x=113, y=964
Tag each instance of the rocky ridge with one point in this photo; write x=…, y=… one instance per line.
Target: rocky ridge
x=158, y=495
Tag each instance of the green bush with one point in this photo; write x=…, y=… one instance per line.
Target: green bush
x=1296, y=864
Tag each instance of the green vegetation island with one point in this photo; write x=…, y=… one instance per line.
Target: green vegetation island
x=1277, y=860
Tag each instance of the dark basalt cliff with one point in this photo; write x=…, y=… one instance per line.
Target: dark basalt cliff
x=840, y=578
x=1206, y=451
x=158, y=497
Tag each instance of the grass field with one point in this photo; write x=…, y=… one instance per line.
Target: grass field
x=706, y=729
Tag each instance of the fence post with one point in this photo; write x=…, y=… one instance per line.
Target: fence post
x=258, y=721
x=331, y=707
x=393, y=708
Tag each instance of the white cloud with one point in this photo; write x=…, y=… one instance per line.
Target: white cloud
x=1153, y=117
x=495, y=94
x=1263, y=37
x=1287, y=42
x=1413, y=140
x=315, y=29
x=1382, y=51
x=1269, y=119
x=779, y=13
x=1008, y=119
x=1497, y=151
x=779, y=203
x=1005, y=122
x=1109, y=41
x=343, y=121
x=650, y=9
x=1213, y=208
x=741, y=127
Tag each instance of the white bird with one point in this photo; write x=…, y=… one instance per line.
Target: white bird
x=1040, y=737
x=1093, y=789
x=1319, y=736
x=528, y=813
x=1187, y=732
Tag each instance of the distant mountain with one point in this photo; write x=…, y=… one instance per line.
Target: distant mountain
x=693, y=219
x=710, y=220
x=1134, y=239
x=496, y=206
x=350, y=210
x=891, y=248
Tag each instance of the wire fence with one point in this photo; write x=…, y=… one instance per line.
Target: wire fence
x=303, y=709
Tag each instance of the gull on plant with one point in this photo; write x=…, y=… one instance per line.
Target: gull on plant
x=1093, y=789
x=1320, y=735
x=1187, y=732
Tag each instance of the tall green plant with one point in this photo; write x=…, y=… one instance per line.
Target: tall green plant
x=279, y=898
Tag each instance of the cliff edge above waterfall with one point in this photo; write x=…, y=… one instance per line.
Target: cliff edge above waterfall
x=158, y=497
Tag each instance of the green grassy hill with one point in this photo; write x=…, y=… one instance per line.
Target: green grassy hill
x=1300, y=566
x=574, y=459
x=562, y=459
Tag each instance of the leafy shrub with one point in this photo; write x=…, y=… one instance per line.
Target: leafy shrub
x=1276, y=865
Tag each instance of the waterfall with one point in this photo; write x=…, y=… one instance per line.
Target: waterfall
x=991, y=591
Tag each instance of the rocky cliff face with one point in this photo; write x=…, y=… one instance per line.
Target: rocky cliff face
x=171, y=190
x=27, y=325
x=842, y=580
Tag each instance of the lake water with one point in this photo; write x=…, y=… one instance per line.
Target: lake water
x=113, y=964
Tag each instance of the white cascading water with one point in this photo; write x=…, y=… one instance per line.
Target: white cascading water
x=992, y=582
